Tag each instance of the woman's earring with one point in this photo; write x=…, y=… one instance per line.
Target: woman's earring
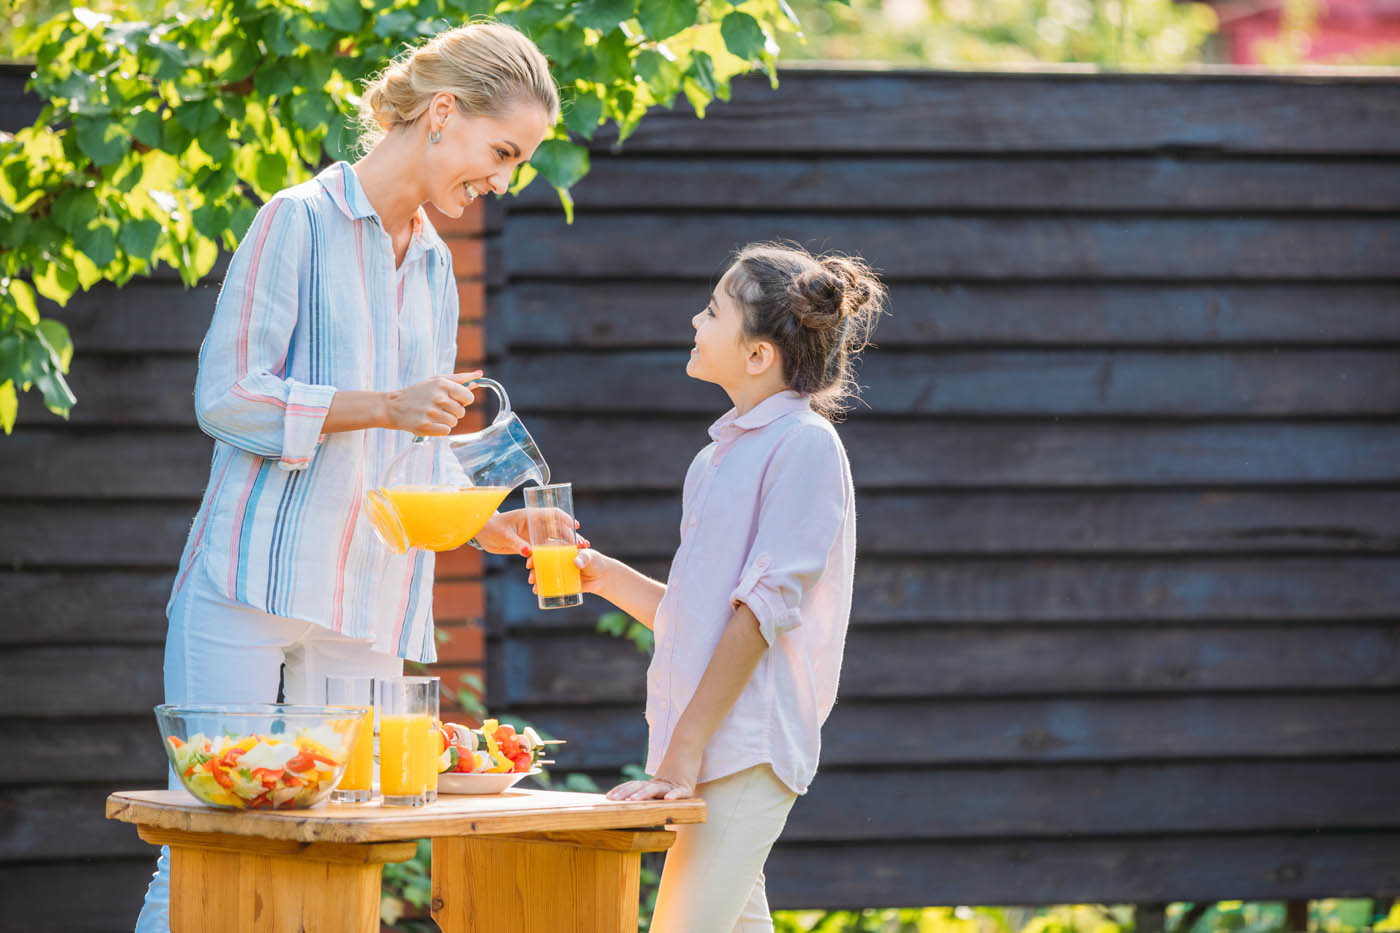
x=434, y=136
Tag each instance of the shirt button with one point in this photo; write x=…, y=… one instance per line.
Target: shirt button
x=691, y=523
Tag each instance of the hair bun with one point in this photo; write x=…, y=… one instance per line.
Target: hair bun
x=819, y=299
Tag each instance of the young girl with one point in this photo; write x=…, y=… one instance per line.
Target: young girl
x=751, y=622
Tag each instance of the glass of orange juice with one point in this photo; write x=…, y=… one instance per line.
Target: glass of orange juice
x=549, y=511
x=357, y=784
x=408, y=712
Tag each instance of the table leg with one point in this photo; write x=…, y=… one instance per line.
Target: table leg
x=245, y=884
x=549, y=882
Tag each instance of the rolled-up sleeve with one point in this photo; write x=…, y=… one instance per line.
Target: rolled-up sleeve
x=241, y=396
x=802, y=513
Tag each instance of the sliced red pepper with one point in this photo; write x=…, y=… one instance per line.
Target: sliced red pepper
x=266, y=775
x=176, y=741
x=291, y=780
x=328, y=762
x=220, y=775
x=303, y=761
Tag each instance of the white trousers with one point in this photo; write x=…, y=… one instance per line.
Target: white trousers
x=713, y=879
x=221, y=651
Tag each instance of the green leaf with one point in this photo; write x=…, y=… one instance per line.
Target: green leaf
x=743, y=36
x=603, y=15
x=583, y=114
x=59, y=341
x=312, y=111
x=563, y=45
x=146, y=128
x=214, y=140
x=9, y=405
x=274, y=80
x=702, y=71
x=345, y=15
x=612, y=58
x=661, y=75
x=102, y=141
x=56, y=280
x=561, y=163
x=75, y=209
x=662, y=19
x=23, y=297
x=198, y=115
x=138, y=237
x=395, y=23
x=99, y=244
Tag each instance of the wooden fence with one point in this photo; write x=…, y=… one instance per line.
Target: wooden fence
x=1127, y=612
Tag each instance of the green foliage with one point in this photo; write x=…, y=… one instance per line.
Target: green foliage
x=160, y=136
x=621, y=625
x=994, y=33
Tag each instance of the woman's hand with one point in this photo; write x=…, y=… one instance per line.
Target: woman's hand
x=592, y=567
x=509, y=533
x=431, y=407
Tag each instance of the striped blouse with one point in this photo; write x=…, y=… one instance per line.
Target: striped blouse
x=313, y=302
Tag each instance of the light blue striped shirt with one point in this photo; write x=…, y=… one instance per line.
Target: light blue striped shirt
x=312, y=303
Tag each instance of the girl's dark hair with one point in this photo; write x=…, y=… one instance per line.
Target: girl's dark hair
x=818, y=310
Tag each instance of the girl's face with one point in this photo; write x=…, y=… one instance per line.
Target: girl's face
x=477, y=155
x=721, y=353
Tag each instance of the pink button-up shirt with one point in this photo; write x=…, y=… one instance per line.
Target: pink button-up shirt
x=768, y=519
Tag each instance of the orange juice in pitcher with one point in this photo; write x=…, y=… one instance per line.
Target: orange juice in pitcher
x=440, y=518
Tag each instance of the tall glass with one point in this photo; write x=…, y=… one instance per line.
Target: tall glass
x=549, y=511
x=357, y=784
x=408, y=711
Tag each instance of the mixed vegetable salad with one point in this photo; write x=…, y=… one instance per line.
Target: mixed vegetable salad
x=261, y=772
x=495, y=748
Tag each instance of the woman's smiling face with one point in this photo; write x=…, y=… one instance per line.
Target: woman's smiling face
x=477, y=155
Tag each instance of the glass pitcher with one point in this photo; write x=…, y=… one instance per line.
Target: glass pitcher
x=439, y=491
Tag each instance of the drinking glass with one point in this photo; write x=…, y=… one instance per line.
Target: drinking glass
x=357, y=784
x=549, y=511
x=408, y=712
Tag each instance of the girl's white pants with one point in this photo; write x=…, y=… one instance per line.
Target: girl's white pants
x=713, y=879
x=221, y=651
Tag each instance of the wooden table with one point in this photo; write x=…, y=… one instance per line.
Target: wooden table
x=518, y=862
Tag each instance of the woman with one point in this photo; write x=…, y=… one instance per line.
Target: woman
x=332, y=344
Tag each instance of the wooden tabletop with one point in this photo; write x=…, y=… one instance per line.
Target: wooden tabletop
x=515, y=811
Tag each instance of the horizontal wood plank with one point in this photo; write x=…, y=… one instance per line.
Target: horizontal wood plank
x=85, y=606
x=39, y=896
x=95, y=680
x=1004, y=383
x=922, y=247
x=128, y=746
x=1089, y=183
x=1209, y=867
x=1107, y=522
x=1026, y=730
x=653, y=453
x=635, y=314
x=60, y=821
x=908, y=663
x=135, y=535
x=962, y=112
x=144, y=316
x=1065, y=590
x=1080, y=800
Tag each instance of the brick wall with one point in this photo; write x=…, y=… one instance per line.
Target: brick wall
x=459, y=599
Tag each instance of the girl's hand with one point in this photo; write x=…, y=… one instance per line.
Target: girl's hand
x=657, y=788
x=592, y=567
x=509, y=533
x=431, y=407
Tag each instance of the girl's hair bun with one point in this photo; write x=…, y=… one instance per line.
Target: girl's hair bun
x=819, y=298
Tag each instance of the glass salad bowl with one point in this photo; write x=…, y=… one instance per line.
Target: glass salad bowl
x=259, y=756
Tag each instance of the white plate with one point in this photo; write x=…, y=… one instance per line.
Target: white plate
x=480, y=783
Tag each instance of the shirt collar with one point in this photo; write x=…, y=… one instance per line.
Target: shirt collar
x=343, y=186
x=764, y=413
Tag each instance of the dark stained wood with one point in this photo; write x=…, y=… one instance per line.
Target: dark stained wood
x=39, y=897
x=140, y=535
x=124, y=389
x=1065, y=183
x=1210, y=867
x=85, y=606
x=628, y=314
x=107, y=463
x=899, y=663
x=1028, y=730
x=56, y=821
x=144, y=316
x=18, y=107
x=883, y=113
x=602, y=246
x=1094, y=800
x=1005, y=383
x=1029, y=591
x=1110, y=522
x=72, y=680
x=615, y=453
x=128, y=747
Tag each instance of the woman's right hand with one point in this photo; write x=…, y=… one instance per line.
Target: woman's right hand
x=431, y=407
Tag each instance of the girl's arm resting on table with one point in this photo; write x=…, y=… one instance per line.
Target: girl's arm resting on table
x=735, y=659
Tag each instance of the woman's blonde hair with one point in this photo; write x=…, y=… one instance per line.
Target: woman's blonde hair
x=489, y=67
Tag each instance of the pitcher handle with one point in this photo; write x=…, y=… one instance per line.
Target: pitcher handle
x=496, y=387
